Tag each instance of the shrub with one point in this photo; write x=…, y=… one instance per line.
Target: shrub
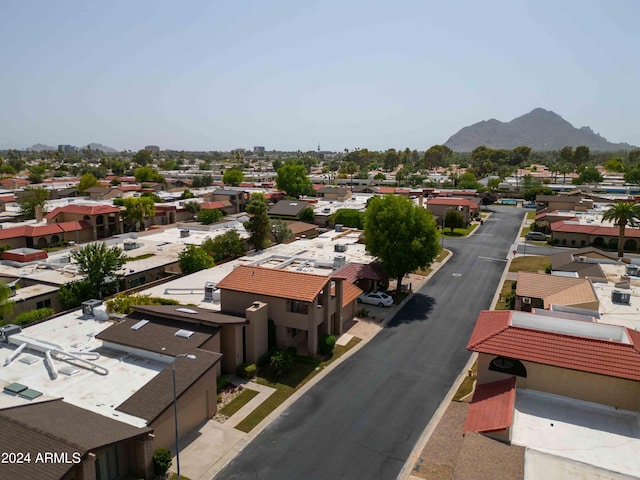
x=33, y=316
x=326, y=344
x=547, y=268
x=282, y=361
x=123, y=304
x=161, y=461
x=222, y=382
x=264, y=359
x=246, y=370
x=363, y=312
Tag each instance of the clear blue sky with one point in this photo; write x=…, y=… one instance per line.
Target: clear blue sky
x=216, y=75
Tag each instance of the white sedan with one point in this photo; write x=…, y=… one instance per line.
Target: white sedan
x=376, y=298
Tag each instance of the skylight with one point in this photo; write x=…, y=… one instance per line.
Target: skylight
x=183, y=333
x=185, y=310
x=576, y=328
x=139, y=325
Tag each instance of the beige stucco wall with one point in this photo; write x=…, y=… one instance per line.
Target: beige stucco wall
x=196, y=405
x=257, y=331
x=231, y=347
x=590, y=387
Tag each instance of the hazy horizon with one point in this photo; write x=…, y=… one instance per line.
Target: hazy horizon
x=291, y=75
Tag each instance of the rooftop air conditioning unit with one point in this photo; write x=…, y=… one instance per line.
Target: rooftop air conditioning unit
x=339, y=261
x=8, y=330
x=582, y=259
x=184, y=233
x=89, y=305
x=339, y=247
x=338, y=227
x=633, y=270
x=209, y=289
x=621, y=297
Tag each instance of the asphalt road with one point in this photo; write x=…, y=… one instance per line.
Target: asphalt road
x=364, y=418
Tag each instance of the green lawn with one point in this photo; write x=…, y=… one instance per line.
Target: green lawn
x=237, y=403
x=531, y=215
x=466, y=386
x=459, y=232
x=287, y=384
x=507, y=288
x=530, y=263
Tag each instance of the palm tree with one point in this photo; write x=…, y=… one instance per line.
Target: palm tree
x=622, y=213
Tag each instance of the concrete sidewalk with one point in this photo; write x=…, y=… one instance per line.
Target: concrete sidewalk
x=207, y=450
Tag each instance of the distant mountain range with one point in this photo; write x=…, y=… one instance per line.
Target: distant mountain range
x=39, y=147
x=539, y=129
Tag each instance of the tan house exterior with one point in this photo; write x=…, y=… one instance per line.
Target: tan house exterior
x=339, y=194
x=302, y=306
x=574, y=358
x=86, y=443
x=104, y=220
x=577, y=203
x=536, y=290
x=440, y=205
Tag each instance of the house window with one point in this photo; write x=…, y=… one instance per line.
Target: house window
x=107, y=464
x=138, y=281
x=44, y=304
x=295, y=306
x=508, y=365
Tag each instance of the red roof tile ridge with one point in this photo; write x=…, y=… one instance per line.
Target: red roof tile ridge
x=481, y=333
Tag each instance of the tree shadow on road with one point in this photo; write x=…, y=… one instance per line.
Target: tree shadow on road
x=417, y=309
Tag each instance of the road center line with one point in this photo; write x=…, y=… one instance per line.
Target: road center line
x=496, y=259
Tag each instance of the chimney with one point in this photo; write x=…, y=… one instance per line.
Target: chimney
x=39, y=214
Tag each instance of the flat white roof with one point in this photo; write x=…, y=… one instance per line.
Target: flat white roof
x=314, y=256
x=87, y=389
x=573, y=431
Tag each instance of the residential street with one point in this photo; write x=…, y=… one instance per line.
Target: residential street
x=364, y=418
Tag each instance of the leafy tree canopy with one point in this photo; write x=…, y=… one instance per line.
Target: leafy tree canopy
x=229, y=245
x=99, y=264
x=137, y=209
x=87, y=180
x=281, y=231
x=233, y=176
x=207, y=217
x=349, y=218
x=193, y=259
x=453, y=219
x=401, y=234
x=30, y=199
x=292, y=179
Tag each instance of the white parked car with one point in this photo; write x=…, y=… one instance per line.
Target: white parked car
x=376, y=298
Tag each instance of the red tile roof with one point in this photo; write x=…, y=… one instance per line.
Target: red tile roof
x=274, y=283
x=82, y=210
x=7, y=198
x=350, y=293
x=39, y=230
x=491, y=408
x=211, y=205
x=356, y=271
x=385, y=190
x=571, y=227
x=494, y=335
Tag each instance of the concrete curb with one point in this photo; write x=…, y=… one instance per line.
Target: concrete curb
x=237, y=448
x=405, y=472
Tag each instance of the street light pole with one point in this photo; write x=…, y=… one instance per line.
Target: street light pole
x=175, y=407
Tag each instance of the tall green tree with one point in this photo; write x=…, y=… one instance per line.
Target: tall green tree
x=87, y=180
x=453, y=219
x=229, y=245
x=437, y=156
x=209, y=216
x=143, y=157
x=258, y=224
x=233, y=177
x=6, y=304
x=623, y=214
x=193, y=259
x=281, y=231
x=137, y=209
x=30, y=199
x=401, y=234
x=293, y=180
x=581, y=155
x=99, y=264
